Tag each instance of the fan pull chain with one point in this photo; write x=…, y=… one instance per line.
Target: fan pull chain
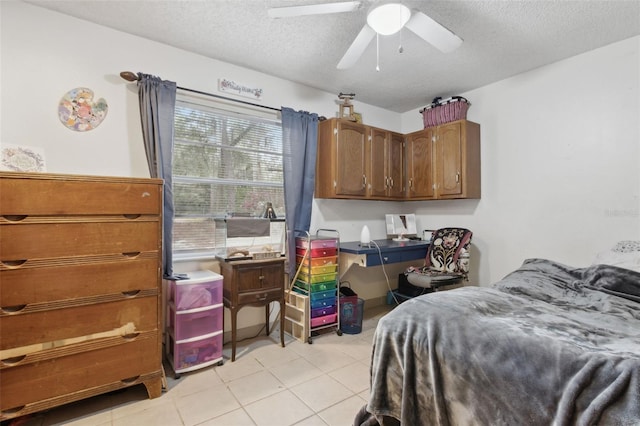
x=377, y=52
x=400, y=48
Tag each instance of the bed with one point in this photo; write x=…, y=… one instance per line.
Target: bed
x=547, y=345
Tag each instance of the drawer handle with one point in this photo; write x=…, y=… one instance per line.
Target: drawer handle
x=8, y=362
x=131, y=336
x=15, y=217
x=14, y=263
x=132, y=293
x=264, y=297
x=131, y=216
x=131, y=254
x=129, y=380
x=12, y=309
x=14, y=410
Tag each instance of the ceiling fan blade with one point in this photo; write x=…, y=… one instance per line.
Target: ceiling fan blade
x=433, y=33
x=313, y=9
x=357, y=48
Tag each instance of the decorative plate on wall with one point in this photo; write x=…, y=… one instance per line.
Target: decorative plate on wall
x=79, y=112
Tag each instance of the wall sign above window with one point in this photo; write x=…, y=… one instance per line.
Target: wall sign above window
x=230, y=86
x=78, y=111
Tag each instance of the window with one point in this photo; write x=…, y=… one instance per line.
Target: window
x=227, y=160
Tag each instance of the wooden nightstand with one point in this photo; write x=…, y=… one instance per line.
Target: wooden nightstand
x=253, y=283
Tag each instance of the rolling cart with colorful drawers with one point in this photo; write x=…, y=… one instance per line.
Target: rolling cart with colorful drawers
x=195, y=322
x=317, y=278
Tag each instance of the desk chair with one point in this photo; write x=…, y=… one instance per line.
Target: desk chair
x=447, y=261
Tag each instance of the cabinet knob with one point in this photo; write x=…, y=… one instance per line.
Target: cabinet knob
x=261, y=277
x=364, y=181
x=458, y=177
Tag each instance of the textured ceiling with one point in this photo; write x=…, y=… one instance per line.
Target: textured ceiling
x=501, y=38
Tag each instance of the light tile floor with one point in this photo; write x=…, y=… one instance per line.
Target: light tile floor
x=323, y=383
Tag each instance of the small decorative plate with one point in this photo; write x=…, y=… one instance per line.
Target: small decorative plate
x=79, y=112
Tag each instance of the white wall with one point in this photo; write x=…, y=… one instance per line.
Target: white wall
x=560, y=144
x=45, y=54
x=560, y=162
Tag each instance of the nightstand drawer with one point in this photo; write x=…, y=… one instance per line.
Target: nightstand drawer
x=260, y=296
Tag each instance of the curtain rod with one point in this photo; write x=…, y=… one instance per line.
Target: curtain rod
x=131, y=76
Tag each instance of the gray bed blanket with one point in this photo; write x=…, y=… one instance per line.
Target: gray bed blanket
x=547, y=345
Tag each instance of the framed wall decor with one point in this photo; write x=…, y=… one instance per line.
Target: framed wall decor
x=79, y=112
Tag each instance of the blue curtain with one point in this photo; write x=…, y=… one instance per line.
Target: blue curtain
x=157, y=106
x=300, y=141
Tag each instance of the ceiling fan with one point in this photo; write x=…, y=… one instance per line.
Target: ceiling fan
x=383, y=18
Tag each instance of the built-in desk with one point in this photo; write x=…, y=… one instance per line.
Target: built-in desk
x=353, y=253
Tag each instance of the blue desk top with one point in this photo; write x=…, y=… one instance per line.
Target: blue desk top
x=385, y=246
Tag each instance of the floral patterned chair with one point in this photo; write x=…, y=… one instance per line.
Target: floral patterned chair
x=447, y=260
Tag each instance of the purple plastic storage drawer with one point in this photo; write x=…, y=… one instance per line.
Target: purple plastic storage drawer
x=320, y=312
x=195, y=322
x=191, y=354
x=202, y=288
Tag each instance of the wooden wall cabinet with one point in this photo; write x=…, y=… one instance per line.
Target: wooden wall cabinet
x=420, y=167
x=80, y=288
x=361, y=162
x=358, y=162
x=341, y=167
x=443, y=162
x=386, y=164
x=253, y=283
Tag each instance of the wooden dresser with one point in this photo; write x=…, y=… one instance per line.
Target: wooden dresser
x=80, y=288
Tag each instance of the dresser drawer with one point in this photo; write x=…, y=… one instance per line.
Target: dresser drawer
x=73, y=195
x=260, y=296
x=48, y=240
x=75, y=372
x=52, y=280
x=126, y=315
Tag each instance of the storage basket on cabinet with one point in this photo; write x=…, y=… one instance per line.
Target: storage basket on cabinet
x=444, y=111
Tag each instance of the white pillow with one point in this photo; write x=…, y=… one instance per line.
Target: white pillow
x=625, y=254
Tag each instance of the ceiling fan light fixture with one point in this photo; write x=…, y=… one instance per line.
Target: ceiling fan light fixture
x=389, y=18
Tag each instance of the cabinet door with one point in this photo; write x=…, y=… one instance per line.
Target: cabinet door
x=249, y=278
x=395, y=168
x=273, y=276
x=377, y=173
x=449, y=159
x=351, y=159
x=419, y=165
